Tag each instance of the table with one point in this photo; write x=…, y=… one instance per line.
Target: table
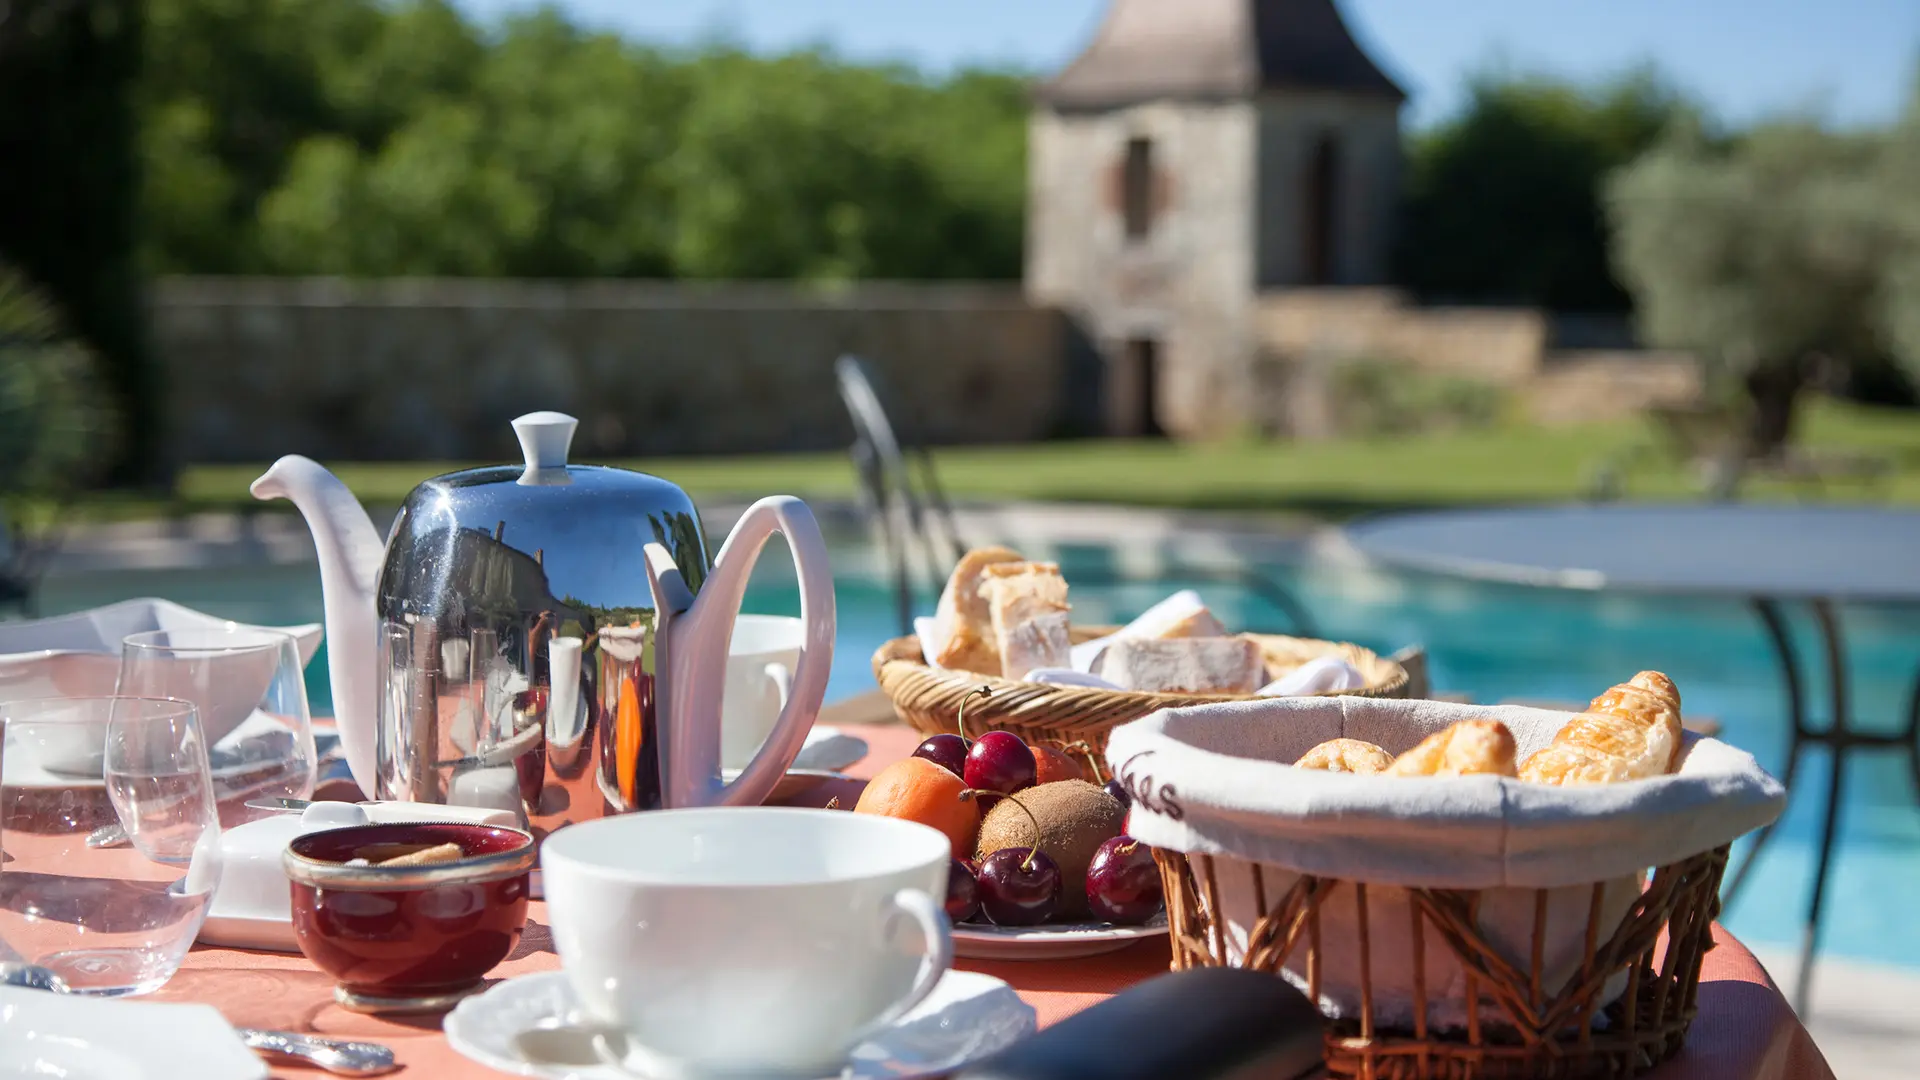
x=1744, y=1032
x=1766, y=556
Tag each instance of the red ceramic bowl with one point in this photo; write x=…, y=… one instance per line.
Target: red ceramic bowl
x=416, y=938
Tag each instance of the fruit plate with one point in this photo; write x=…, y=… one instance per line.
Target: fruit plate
x=1051, y=941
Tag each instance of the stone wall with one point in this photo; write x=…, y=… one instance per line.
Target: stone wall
x=434, y=370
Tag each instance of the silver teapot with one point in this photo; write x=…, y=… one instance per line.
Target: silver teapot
x=548, y=638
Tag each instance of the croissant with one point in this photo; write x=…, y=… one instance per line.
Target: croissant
x=1630, y=732
x=1345, y=755
x=1467, y=748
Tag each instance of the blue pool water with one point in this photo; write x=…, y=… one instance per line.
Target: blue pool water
x=1490, y=641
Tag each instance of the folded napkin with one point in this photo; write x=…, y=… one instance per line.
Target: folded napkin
x=1316, y=676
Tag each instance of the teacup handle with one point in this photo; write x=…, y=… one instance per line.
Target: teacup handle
x=781, y=677
x=938, y=935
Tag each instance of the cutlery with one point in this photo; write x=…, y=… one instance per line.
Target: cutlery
x=107, y=836
x=342, y=1057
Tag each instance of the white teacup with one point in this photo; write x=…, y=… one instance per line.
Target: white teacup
x=750, y=941
x=761, y=657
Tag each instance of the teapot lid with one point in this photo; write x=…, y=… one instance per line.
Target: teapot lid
x=545, y=438
x=549, y=528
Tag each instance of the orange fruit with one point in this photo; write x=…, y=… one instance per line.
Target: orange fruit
x=1052, y=764
x=919, y=790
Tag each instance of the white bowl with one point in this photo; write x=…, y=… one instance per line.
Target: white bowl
x=78, y=655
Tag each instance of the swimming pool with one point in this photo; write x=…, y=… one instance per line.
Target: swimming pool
x=1489, y=641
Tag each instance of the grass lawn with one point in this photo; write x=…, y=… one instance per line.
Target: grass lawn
x=1328, y=480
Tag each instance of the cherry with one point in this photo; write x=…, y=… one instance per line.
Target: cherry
x=947, y=751
x=1000, y=761
x=1119, y=793
x=1019, y=886
x=1123, y=882
x=963, y=892
x=950, y=751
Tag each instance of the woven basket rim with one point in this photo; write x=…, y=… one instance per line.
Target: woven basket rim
x=904, y=657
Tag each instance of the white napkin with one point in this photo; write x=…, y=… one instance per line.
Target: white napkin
x=1316, y=676
x=1150, y=623
x=933, y=637
x=1057, y=676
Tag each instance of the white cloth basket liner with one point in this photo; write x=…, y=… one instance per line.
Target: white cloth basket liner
x=1213, y=779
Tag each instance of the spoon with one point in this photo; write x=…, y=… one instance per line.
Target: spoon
x=343, y=1057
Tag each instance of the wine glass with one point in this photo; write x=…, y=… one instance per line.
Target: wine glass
x=247, y=684
x=103, y=919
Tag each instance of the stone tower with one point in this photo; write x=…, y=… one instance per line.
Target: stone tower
x=1198, y=153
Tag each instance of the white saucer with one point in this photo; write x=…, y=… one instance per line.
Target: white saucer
x=1059, y=941
x=967, y=1017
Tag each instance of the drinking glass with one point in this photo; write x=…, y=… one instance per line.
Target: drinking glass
x=104, y=920
x=252, y=699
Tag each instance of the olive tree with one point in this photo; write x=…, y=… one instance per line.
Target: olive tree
x=1765, y=256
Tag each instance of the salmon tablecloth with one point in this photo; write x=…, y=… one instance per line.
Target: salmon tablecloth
x=1745, y=1029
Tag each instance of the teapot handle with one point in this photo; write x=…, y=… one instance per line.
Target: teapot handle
x=697, y=638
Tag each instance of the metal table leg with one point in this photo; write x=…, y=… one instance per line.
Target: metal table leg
x=1775, y=623
x=1841, y=739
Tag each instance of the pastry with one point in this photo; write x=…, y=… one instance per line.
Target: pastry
x=1027, y=606
x=963, y=614
x=1345, y=755
x=1467, y=748
x=1630, y=732
x=1200, y=665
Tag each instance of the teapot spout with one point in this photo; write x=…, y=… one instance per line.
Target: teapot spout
x=350, y=553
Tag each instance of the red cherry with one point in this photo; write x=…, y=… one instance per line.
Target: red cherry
x=947, y=751
x=1123, y=882
x=1019, y=887
x=963, y=892
x=1000, y=761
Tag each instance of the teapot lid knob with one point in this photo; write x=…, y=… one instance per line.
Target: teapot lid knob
x=545, y=438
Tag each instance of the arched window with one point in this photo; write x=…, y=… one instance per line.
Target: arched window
x=1323, y=172
x=1136, y=184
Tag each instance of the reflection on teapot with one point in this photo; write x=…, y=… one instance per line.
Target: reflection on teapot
x=529, y=638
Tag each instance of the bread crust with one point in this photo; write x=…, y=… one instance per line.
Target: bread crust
x=1480, y=747
x=1028, y=606
x=965, y=614
x=1347, y=756
x=1630, y=732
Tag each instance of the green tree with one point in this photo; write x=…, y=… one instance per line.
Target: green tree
x=57, y=427
x=1503, y=202
x=68, y=185
x=1765, y=257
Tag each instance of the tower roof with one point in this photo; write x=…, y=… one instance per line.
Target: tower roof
x=1215, y=49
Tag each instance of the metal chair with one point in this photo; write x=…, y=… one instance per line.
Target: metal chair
x=908, y=510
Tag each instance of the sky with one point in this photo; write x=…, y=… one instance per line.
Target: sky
x=1849, y=61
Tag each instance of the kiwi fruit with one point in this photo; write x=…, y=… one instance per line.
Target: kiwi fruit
x=1075, y=818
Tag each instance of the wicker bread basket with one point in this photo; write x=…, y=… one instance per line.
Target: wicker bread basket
x=1457, y=928
x=928, y=699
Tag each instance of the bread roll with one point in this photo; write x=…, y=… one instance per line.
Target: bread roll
x=1027, y=604
x=1345, y=755
x=1467, y=748
x=964, y=614
x=1630, y=732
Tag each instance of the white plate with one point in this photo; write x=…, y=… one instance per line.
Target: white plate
x=967, y=1017
x=78, y=655
x=53, y=1035
x=1060, y=941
